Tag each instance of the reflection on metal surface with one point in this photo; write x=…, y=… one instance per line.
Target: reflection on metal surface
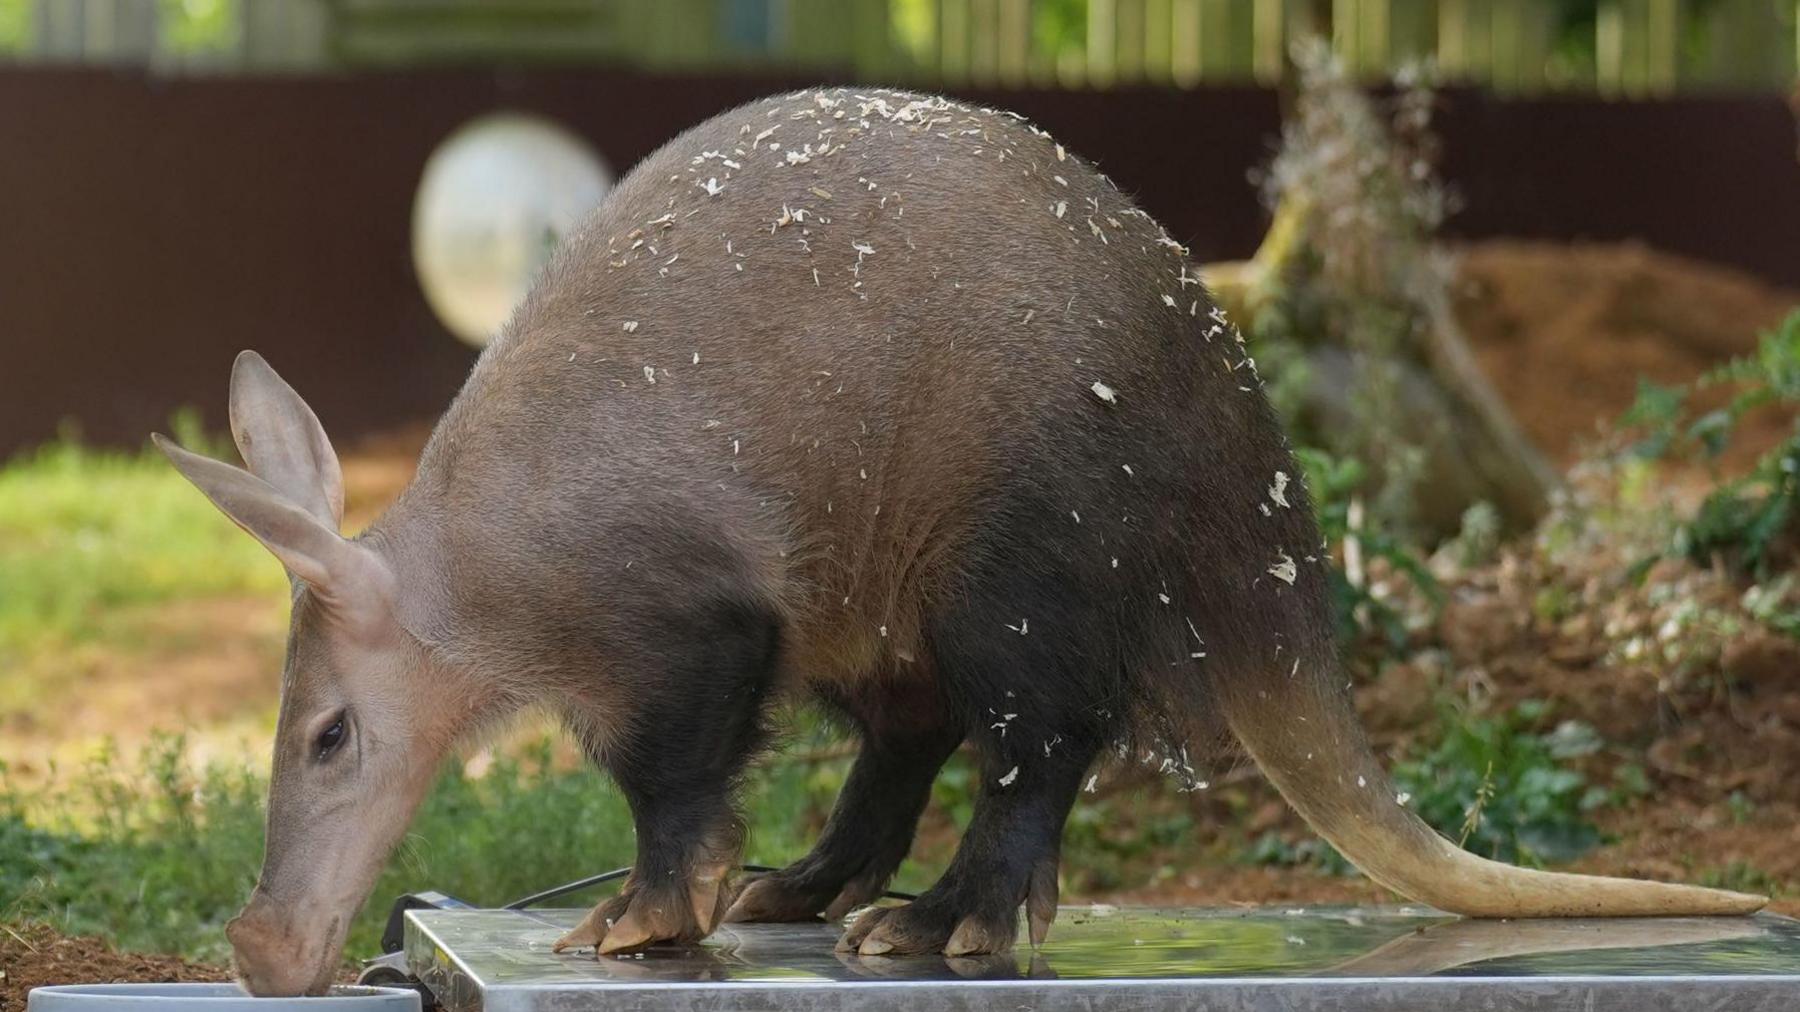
x=495, y=198
x=1579, y=946
x=1292, y=958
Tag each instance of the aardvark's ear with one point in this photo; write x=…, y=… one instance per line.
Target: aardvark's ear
x=282, y=441
x=310, y=550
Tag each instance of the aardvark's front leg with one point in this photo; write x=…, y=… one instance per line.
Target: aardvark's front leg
x=693, y=715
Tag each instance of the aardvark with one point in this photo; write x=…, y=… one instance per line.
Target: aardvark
x=859, y=395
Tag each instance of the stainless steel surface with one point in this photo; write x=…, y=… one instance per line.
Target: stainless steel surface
x=1108, y=958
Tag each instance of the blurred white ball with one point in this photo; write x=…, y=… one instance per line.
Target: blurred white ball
x=496, y=197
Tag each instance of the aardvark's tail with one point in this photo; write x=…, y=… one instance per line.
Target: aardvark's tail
x=1305, y=736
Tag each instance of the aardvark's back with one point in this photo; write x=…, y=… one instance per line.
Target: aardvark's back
x=866, y=320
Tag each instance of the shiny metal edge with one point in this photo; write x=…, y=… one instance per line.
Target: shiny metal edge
x=459, y=989
x=1300, y=994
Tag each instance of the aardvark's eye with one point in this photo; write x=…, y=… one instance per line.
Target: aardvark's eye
x=330, y=739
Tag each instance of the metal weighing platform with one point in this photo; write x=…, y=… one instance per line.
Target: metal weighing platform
x=1104, y=958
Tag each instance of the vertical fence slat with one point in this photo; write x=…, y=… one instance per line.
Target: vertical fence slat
x=1506, y=37
x=1374, y=40
x=1102, y=42
x=1269, y=37
x=1412, y=31
x=1344, y=27
x=1014, y=27
x=1219, y=47
x=1537, y=31
x=953, y=40
x=1453, y=39
x=1621, y=34
x=137, y=29
x=984, y=41
x=1128, y=41
x=871, y=53
x=1662, y=45
x=58, y=32
x=1215, y=40
x=1186, y=65
x=1240, y=28
x=1159, y=24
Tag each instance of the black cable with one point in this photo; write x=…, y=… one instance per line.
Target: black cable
x=618, y=873
x=567, y=888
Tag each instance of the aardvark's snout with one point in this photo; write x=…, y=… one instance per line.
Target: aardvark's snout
x=275, y=956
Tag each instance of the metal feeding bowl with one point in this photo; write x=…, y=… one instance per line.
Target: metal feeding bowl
x=209, y=998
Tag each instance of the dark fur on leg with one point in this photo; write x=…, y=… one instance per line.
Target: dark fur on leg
x=906, y=738
x=1007, y=857
x=1033, y=650
x=699, y=719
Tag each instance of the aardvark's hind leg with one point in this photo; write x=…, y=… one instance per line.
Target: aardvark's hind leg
x=906, y=738
x=1027, y=649
x=1007, y=857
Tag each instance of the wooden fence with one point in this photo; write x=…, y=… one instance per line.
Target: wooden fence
x=1629, y=48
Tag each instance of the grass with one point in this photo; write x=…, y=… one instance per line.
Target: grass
x=90, y=538
x=159, y=863
x=156, y=856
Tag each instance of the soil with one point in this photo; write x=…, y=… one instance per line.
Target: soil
x=33, y=954
x=1564, y=331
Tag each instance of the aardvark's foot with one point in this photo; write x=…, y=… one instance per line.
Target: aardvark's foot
x=643, y=915
x=793, y=895
x=974, y=919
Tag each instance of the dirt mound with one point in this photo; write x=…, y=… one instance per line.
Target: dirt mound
x=1564, y=331
x=32, y=955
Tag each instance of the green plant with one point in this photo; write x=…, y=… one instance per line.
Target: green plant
x=1478, y=540
x=1495, y=786
x=1740, y=806
x=1750, y=521
x=155, y=859
x=1505, y=790
x=1273, y=849
x=1741, y=876
x=1774, y=604
x=1114, y=843
x=1332, y=483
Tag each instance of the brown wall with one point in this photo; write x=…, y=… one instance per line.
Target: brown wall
x=150, y=228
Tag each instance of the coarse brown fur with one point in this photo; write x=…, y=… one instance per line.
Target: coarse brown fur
x=893, y=402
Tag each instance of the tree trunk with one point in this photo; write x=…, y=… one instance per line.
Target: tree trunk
x=1474, y=449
